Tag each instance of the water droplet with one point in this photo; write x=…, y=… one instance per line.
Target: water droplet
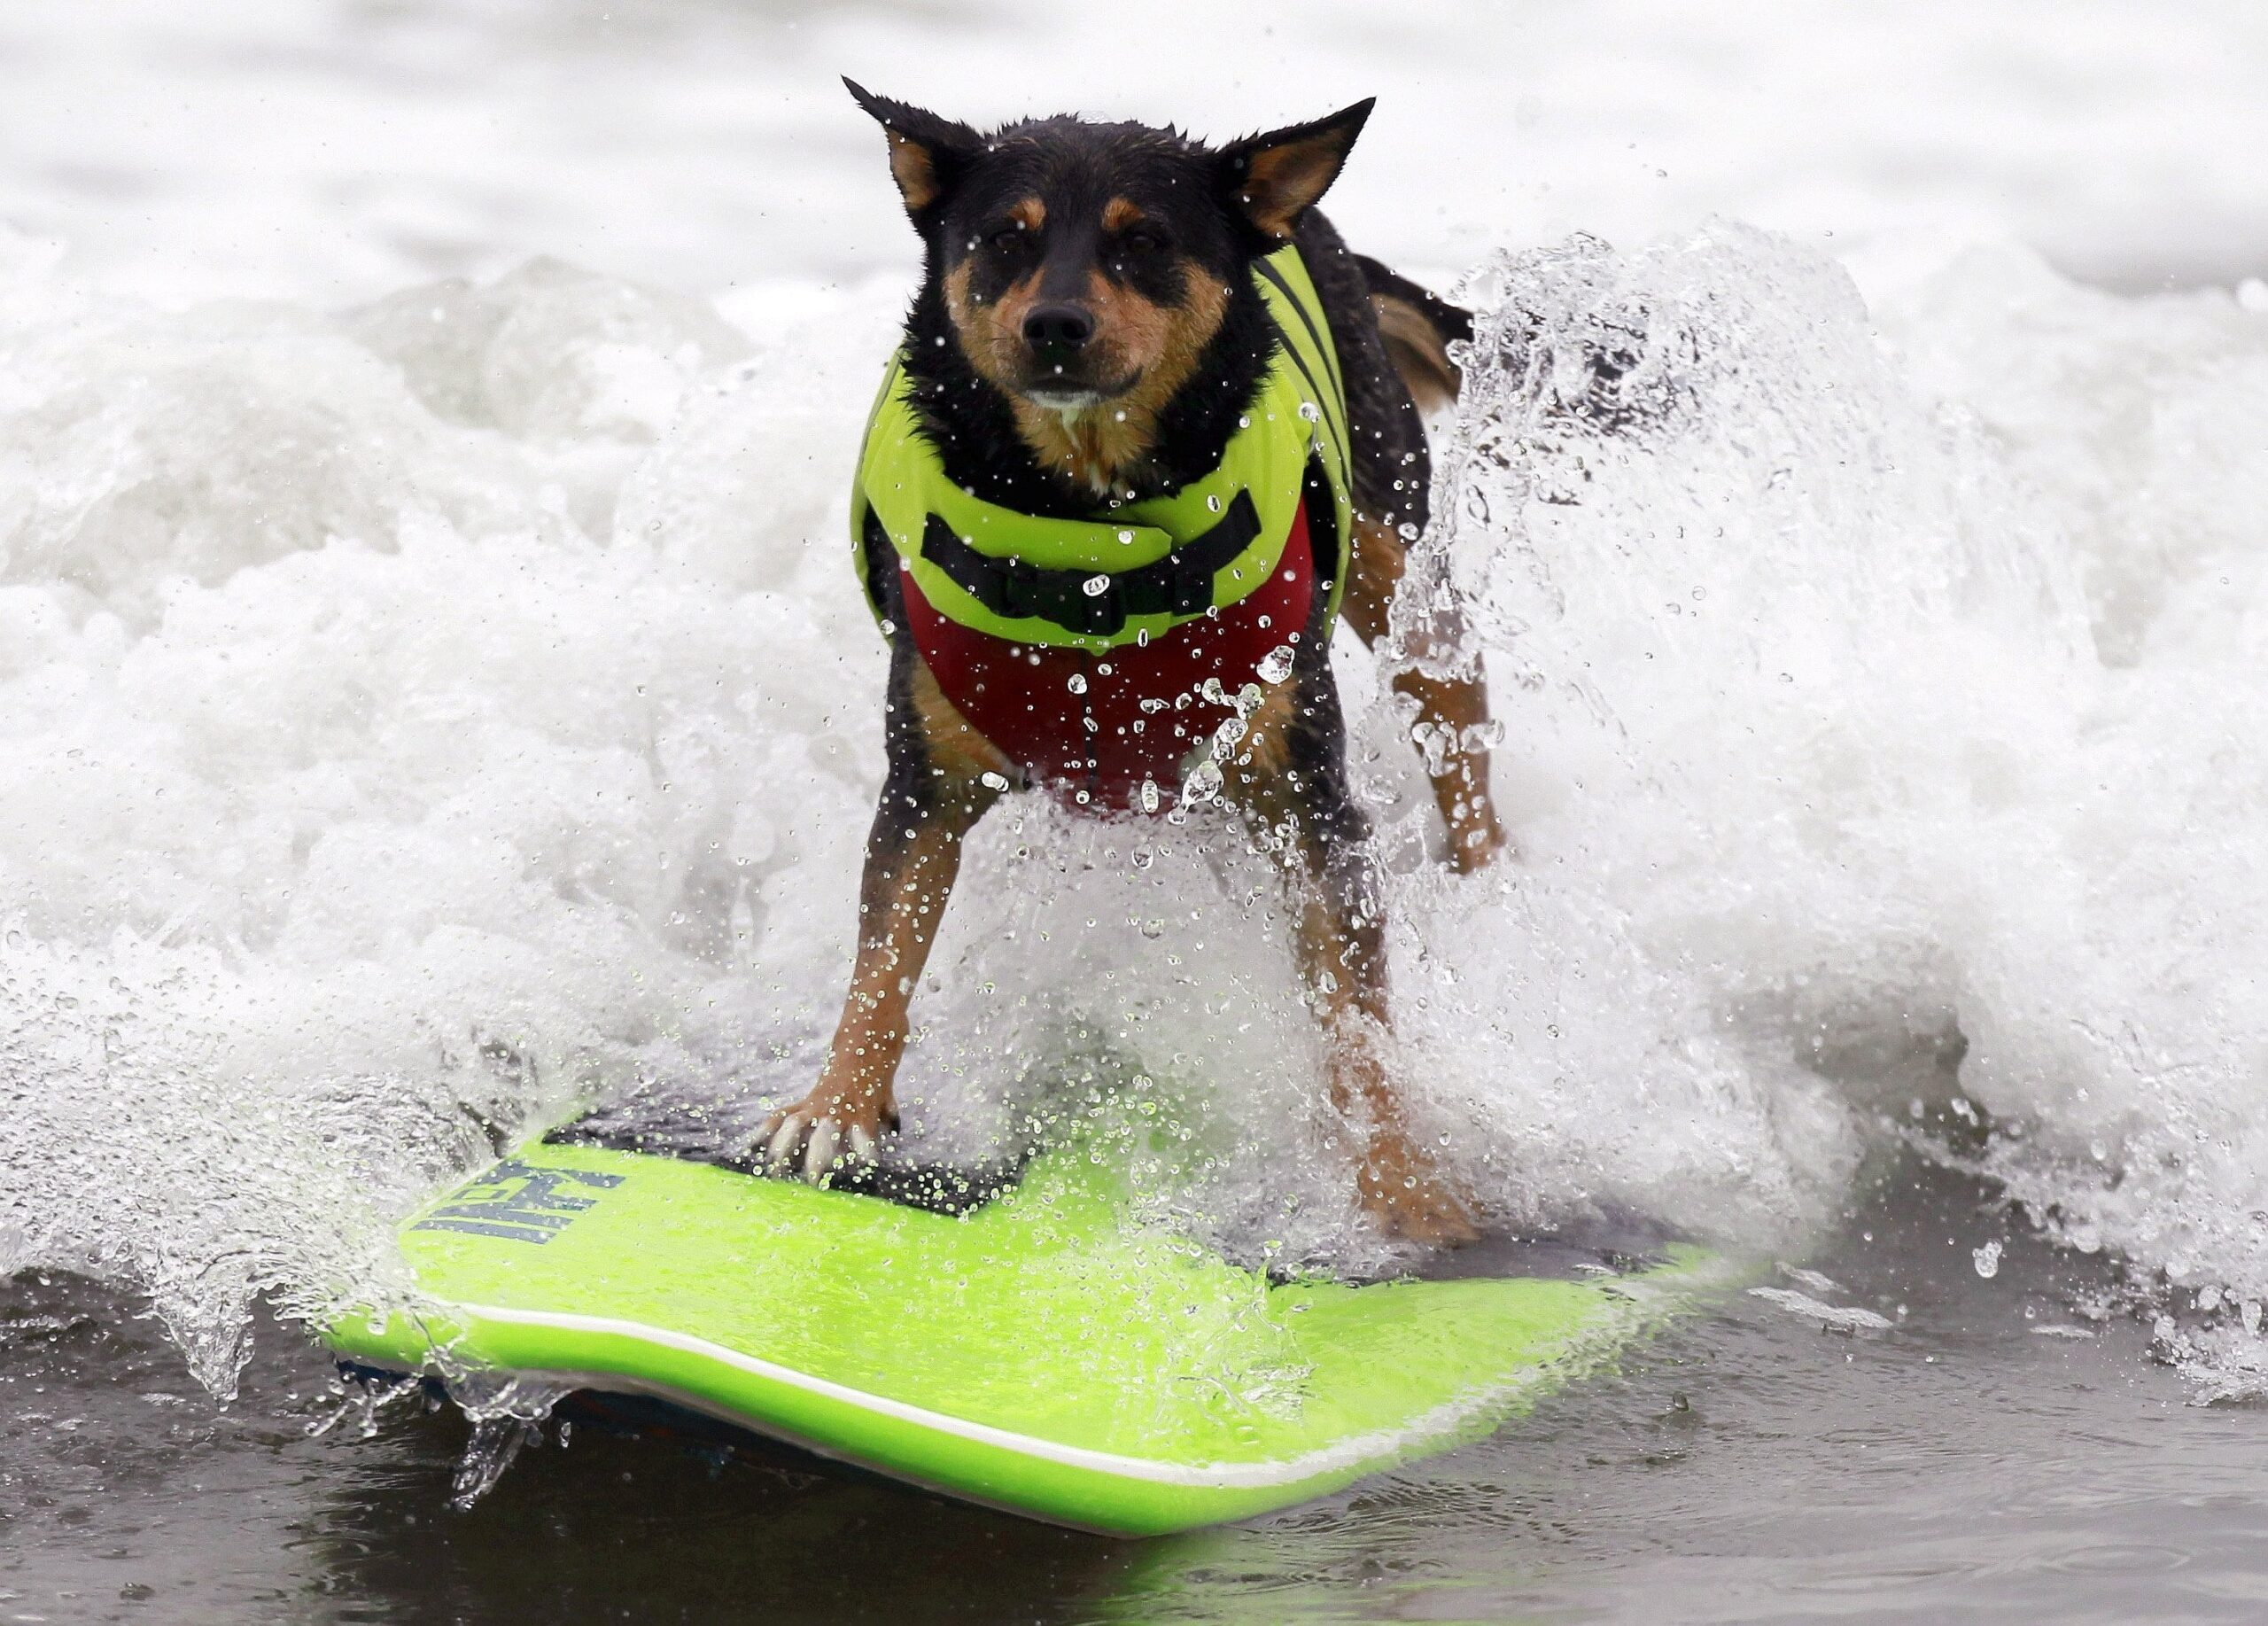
x=1076, y=683
x=1987, y=1260
x=1095, y=586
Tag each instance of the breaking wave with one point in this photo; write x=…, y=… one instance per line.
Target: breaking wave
x=426, y=719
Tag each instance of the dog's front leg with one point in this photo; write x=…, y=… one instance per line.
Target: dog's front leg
x=1289, y=781
x=933, y=795
x=1341, y=947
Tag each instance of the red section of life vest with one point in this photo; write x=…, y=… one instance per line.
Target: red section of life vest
x=1077, y=722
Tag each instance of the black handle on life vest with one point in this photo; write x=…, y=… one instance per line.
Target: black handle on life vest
x=1180, y=584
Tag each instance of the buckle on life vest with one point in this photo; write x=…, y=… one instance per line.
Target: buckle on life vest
x=1067, y=598
x=1016, y=588
x=1189, y=578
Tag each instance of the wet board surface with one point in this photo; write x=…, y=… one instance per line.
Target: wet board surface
x=1035, y=1352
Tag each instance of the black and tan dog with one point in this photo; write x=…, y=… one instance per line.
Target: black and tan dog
x=1091, y=332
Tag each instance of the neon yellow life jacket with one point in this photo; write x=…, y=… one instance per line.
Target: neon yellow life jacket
x=1141, y=569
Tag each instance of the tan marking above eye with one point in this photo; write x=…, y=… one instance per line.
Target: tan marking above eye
x=1119, y=213
x=1030, y=214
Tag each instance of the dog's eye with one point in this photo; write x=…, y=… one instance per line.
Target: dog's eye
x=1141, y=243
x=1009, y=239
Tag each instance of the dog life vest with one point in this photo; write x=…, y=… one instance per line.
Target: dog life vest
x=1104, y=655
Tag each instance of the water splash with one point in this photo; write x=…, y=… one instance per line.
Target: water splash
x=1885, y=705
x=507, y=1417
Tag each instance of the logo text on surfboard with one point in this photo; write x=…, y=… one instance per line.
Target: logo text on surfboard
x=536, y=1212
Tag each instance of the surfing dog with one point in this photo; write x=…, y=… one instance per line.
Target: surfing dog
x=1152, y=427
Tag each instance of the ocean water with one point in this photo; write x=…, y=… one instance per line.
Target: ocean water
x=435, y=701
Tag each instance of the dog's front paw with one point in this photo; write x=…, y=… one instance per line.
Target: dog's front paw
x=1412, y=1197
x=819, y=1134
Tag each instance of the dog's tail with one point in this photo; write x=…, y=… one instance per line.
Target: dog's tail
x=1417, y=326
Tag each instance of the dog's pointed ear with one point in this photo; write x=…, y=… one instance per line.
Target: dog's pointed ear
x=1273, y=178
x=927, y=154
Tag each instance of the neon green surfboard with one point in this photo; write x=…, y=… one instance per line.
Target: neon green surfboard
x=1039, y=1353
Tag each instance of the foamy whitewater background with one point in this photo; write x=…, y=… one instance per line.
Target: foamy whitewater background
x=433, y=696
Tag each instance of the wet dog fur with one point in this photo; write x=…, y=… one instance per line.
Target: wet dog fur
x=1088, y=331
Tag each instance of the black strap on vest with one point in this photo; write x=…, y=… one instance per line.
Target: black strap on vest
x=1181, y=583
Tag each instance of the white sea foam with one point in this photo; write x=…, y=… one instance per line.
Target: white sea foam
x=424, y=717
x=1906, y=680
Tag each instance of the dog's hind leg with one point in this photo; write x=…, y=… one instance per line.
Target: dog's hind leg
x=935, y=792
x=1392, y=339
x=1416, y=327
x=1452, y=710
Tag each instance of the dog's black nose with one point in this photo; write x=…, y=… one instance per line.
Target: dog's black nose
x=1058, y=327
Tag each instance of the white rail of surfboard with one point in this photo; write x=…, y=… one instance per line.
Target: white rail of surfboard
x=1631, y=1302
